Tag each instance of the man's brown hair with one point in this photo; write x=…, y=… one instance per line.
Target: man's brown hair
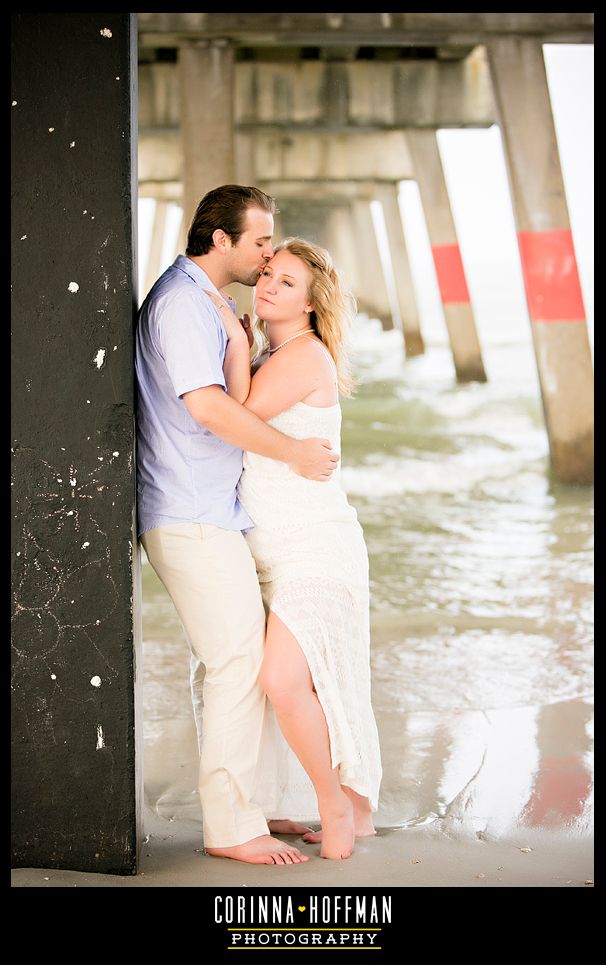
x=224, y=207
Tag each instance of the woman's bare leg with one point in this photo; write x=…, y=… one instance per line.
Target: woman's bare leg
x=289, y=686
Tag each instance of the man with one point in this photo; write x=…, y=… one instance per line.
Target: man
x=190, y=437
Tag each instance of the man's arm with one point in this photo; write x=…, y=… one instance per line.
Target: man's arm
x=226, y=418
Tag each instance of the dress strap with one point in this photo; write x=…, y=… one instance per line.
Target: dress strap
x=326, y=353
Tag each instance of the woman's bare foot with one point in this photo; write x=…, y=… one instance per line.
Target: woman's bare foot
x=261, y=850
x=337, y=833
x=284, y=826
x=315, y=837
x=362, y=816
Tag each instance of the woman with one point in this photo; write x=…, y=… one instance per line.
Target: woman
x=308, y=546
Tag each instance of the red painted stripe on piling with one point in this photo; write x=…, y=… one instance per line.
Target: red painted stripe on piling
x=551, y=277
x=451, y=274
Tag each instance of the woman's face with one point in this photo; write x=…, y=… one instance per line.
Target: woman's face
x=281, y=293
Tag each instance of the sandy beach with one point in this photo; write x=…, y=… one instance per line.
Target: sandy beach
x=459, y=847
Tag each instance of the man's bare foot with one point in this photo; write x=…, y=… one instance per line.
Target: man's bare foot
x=261, y=850
x=284, y=826
x=338, y=834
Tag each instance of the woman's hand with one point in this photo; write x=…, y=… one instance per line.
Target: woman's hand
x=245, y=323
x=234, y=326
x=236, y=364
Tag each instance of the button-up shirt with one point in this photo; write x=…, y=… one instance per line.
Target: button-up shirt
x=184, y=472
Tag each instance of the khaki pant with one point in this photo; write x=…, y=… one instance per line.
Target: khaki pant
x=211, y=578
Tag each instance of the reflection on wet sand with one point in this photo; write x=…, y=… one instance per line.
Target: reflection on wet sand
x=562, y=795
x=491, y=774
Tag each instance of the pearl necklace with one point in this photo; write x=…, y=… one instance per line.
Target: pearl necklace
x=305, y=330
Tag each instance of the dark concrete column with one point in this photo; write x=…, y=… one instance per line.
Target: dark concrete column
x=551, y=279
x=74, y=768
x=458, y=311
x=206, y=75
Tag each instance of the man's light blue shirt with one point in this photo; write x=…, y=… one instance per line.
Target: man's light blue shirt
x=184, y=472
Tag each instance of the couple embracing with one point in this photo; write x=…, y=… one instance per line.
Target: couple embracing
x=242, y=516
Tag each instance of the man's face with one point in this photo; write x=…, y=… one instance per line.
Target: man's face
x=253, y=250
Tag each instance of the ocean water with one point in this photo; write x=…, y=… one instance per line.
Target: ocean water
x=481, y=563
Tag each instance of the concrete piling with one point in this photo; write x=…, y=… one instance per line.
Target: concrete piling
x=458, y=312
x=547, y=255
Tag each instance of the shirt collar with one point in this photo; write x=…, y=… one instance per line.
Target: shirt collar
x=197, y=274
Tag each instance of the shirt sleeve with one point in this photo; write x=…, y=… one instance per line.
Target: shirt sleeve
x=191, y=342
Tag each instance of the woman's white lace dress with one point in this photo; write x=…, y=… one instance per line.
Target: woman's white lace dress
x=312, y=566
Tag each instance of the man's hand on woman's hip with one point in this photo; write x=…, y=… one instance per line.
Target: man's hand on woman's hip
x=313, y=459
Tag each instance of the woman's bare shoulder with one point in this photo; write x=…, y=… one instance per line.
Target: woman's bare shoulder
x=304, y=360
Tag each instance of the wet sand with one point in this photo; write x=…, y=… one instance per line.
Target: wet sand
x=455, y=843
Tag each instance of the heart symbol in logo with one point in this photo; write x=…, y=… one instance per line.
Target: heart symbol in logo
x=302, y=907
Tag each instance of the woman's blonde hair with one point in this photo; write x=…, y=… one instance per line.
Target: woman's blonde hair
x=333, y=312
